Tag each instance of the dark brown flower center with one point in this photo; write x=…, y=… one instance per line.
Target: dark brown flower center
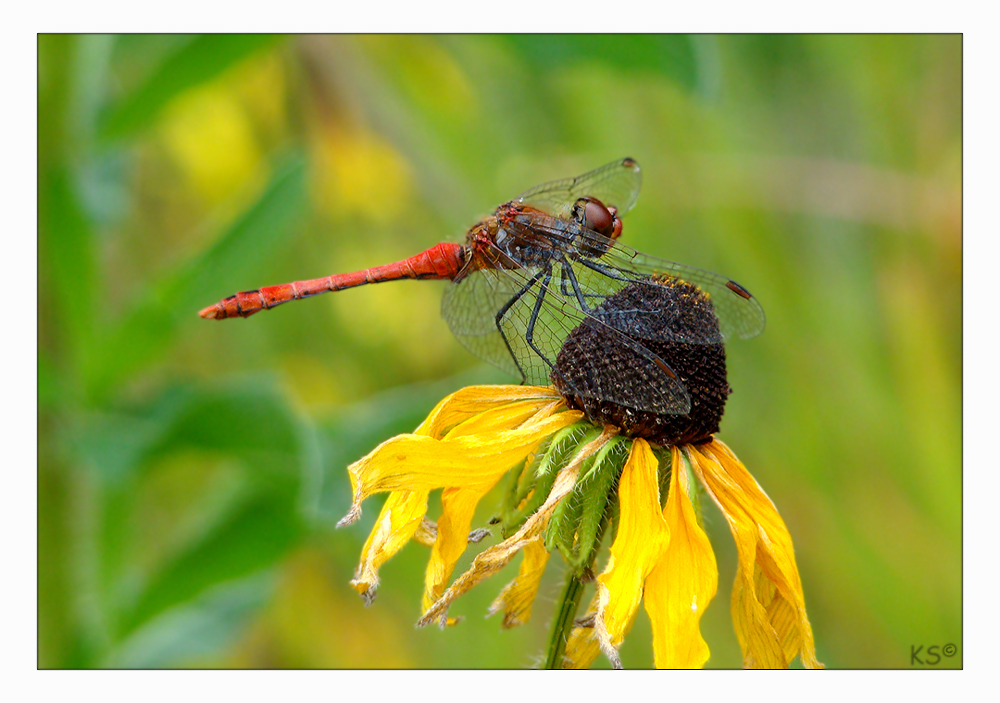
x=595, y=358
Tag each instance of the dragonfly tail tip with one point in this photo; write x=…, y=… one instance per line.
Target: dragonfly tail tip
x=210, y=313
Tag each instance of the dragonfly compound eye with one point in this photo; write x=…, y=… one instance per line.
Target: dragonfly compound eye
x=604, y=367
x=592, y=214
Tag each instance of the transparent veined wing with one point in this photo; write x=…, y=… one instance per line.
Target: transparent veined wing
x=740, y=314
x=615, y=184
x=525, y=323
x=591, y=267
x=470, y=305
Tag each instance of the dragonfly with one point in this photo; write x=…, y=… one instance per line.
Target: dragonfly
x=539, y=267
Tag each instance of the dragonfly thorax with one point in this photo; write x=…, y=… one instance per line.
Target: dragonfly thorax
x=513, y=234
x=529, y=237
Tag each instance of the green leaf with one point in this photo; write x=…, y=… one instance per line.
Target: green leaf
x=196, y=629
x=68, y=278
x=579, y=519
x=232, y=529
x=253, y=537
x=521, y=480
x=665, y=462
x=199, y=60
x=560, y=533
x=248, y=419
x=560, y=451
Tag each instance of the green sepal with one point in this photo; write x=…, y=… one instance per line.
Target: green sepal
x=521, y=481
x=560, y=533
x=665, y=461
x=697, y=488
x=578, y=522
x=595, y=487
x=536, y=487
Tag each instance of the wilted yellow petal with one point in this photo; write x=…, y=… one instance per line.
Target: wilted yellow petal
x=413, y=462
x=768, y=604
x=400, y=517
x=683, y=582
x=426, y=533
x=582, y=646
x=457, y=508
x=470, y=401
x=507, y=417
x=495, y=558
x=642, y=539
x=517, y=597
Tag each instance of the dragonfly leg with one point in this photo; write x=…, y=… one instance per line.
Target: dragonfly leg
x=604, y=270
x=529, y=333
x=498, y=320
x=563, y=287
x=567, y=273
x=563, y=282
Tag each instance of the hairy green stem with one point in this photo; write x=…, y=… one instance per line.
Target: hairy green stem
x=564, y=618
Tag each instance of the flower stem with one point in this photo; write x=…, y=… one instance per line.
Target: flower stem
x=564, y=618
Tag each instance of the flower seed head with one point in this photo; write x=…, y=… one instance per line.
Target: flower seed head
x=658, y=316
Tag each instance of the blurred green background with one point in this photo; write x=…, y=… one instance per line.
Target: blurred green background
x=191, y=472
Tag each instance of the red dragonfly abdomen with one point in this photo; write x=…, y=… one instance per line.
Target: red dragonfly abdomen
x=442, y=261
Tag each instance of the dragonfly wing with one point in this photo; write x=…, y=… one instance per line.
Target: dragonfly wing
x=470, y=306
x=589, y=268
x=739, y=313
x=615, y=184
x=534, y=323
x=658, y=309
x=598, y=360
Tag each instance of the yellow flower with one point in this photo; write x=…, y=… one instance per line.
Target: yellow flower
x=664, y=558
x=569, y=483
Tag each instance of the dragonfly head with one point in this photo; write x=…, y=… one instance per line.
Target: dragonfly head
x=596, y=216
